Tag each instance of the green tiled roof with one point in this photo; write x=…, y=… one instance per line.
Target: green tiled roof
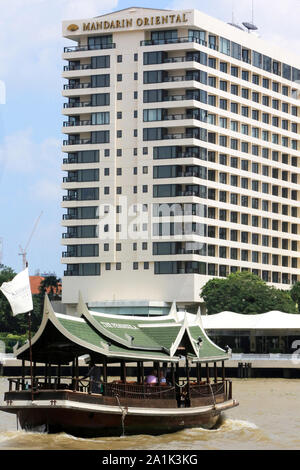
x=82, y=331
x=127, y=337
x=208, y=349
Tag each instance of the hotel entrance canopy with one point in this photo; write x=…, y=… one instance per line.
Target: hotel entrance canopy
x=273, y=320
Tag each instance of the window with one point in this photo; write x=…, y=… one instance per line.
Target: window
x=98, y=81
x=224, y=46
x=100, y=99
x=100, y=62
x=100, y=118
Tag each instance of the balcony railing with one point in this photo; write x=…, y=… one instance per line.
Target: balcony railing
x=157, y=42
x=73, y=197
x=178, y=136
x=80, y=48
x=75, y=86
x=79, y=104
x=77, y=142
x=176, y=117
x=85, y=122
x=171, y=60
x=180, y=98
x=67, y=68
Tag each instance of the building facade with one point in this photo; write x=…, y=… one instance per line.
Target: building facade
x=181, y=157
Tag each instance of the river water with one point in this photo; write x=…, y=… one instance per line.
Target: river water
x=267, y=418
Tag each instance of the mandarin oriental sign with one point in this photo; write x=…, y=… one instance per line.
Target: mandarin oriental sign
x=138, y=22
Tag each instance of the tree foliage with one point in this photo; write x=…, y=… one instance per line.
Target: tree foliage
x=244, y=292
x=18, y=325
x=51, y=286
x=295, y=294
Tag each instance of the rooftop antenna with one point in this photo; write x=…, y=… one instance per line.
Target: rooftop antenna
x=23, y=251
x=251, y=26
x=233, y=23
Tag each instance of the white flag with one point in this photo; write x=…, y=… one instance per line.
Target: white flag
x=18, y=293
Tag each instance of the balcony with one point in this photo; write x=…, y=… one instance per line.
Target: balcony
x=85, y=122
x=179, y=136
x=157, y=42
x=79, y=104
x=71, y=197
x=68, y=68
x=177, y=117
x=80, y=48
x=75, y=86
x=78, y=142
x=172, y=60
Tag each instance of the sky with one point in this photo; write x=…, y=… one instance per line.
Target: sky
x=30, y=108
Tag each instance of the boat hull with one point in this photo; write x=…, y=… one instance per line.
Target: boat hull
x=97, y=421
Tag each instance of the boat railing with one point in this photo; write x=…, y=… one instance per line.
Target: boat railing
x=121, y=389
x=138, y=391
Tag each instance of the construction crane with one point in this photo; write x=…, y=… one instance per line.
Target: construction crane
x=23, y=251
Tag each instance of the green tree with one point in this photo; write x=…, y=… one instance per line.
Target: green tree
x=244, y=292
x=50, y=285
x=295, y=294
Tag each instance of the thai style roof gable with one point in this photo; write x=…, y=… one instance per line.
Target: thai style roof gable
x=62, y=337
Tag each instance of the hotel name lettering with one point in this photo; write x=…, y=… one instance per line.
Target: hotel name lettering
x=129, y=22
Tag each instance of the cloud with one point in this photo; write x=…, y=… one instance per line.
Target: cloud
x=278, y=21
x=46, y=190
x=20, y=153
x=31, y=33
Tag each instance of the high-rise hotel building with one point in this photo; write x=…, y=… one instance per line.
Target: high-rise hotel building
x=181, y=158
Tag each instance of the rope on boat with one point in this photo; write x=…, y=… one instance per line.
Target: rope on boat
x=130, y=392
x=124, y=411
x=213, y=396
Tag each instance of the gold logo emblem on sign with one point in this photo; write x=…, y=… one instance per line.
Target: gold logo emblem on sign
x=73, y=27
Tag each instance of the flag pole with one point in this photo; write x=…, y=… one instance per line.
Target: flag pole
x=30, y=353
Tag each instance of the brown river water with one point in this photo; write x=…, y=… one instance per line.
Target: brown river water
x=267, y=418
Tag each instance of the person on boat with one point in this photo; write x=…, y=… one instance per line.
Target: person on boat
x=94, y=374
x=152, y=378
x=162, y=378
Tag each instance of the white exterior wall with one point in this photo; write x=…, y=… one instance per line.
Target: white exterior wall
x=141, y=284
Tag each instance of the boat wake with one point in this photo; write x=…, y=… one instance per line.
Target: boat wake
x=228, y=434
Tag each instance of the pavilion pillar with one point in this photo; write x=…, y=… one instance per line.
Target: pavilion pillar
x=207, y=373
x=188, y=388
x=73, y=375
x=105, y=370
x=46, y=373
x=158, y=372
x=58, y=374
x=215, y=372
x=123, y=371
x=49, y=374
x=23, y=374
x=76, y=373
x=223, y=371
x=173, y=373
x=34, y=370
x=198, y=372
x=142, y=372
